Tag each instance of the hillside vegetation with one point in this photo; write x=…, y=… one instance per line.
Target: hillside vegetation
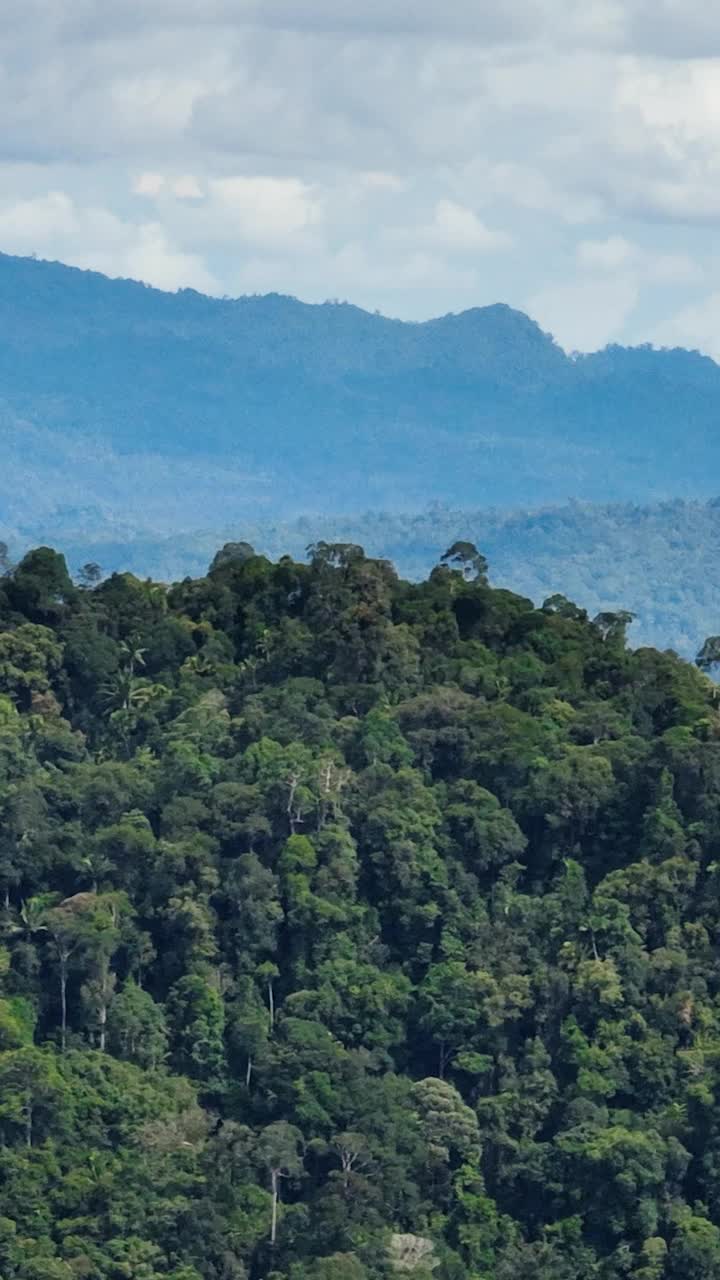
x=661, y=561
x=352, y=929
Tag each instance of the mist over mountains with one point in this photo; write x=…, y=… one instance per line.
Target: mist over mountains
x=131, y=419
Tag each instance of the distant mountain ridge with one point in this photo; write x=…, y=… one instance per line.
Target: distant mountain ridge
x=125, y=397
x=130, y=418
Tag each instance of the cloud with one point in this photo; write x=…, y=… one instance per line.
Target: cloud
x=187, y=187
x=584, y=315
x=149, y=184
x=261, y=209
x=618, y=256
x=672, y=28
x=379, y=181
x=696, y=326
x=605, y=255
x=459, y=230
x=514, y=20
x=380, y=151
x=184, y=187
x=94, y=238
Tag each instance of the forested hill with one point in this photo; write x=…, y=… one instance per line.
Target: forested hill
x=152, y=408
x=660, y=561
x=352, y=929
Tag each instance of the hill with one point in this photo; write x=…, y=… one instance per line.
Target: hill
x=127, y=405
x=352, y=929
x=660, y=561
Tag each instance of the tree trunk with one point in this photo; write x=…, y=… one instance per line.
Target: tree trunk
x=271, y=1005
x=248, y=1073
x=28, y=1122
x=63, y=1002
x=273, y=1224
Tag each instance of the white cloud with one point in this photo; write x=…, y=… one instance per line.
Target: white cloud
x=461, y=231
x=262, y=209
x=524, y=186
x=696, y=326
x=377, y=150
x=618, y=256
x=187, y=187
x=149, y=257
x=672, y=269
x=94, y=238
x=378, y=181
x=583, y=315
x=149, y=184
x=606, y=255
x=183, y=187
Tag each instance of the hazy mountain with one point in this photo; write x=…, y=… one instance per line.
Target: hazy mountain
x=154, y=409
x=132, y=418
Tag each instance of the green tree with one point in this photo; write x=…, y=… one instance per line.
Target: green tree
x=278, y=1152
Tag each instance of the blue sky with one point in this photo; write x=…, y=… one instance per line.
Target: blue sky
x=415, y=158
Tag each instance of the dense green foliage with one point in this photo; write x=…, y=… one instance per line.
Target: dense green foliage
x=662, y=561
x=352, y=928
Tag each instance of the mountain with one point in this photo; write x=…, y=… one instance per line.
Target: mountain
x=143, y=428
x=128, y=408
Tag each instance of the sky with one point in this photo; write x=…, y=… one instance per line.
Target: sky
x=412, y=156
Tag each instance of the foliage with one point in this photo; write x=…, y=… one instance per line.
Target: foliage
x=658, y=560
x=352, y=927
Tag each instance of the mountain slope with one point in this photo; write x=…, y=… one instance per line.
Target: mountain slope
x=317, y=407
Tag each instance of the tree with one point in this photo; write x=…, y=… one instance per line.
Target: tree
x=449, y=1126
x=613, y=626
x=101, y=937
x=410, y=1254
x=268, y=972
x=465, y=558
x=565, y=608
x=278, y=1150
x=337, y=1266
x=196, y=1017
x=65, y=929
x=136, y=1027
x=40, y=586
x=709, y=655
x=30, y=656
x=31, y=1089
x=249, y=1024
x=352, y=1151
x=90, y=575
x=449, y=1003
x=695, y=1250
x=231, y=553
x=86, y=925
